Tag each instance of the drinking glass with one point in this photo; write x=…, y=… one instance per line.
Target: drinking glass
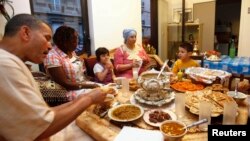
x=229, y=113
x=135, y=72
x=204, y=113
x=180, y=105
x=125, y=87
x=118, y=81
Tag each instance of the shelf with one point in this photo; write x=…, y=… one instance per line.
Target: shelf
x=174, y=37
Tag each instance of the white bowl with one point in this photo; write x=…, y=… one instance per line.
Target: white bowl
x=239, y=98
x=169, y=127
x=123, y=113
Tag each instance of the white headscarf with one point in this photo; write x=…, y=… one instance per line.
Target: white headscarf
x=127, y=33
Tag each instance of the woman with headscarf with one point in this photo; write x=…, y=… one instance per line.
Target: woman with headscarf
x=129, y=55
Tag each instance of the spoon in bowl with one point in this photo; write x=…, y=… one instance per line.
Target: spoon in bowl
x=236, y=91
x=195, y=123
x=163, y=67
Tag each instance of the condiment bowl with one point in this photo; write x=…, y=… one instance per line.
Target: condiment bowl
x=240, y=97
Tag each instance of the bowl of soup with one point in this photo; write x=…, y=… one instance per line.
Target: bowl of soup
x=173, y=130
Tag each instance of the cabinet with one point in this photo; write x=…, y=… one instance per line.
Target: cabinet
x=174, y=36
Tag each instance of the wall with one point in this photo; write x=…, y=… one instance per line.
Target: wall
x=244, y=43
x=25, y=8
x=108, y=18
x=162, y=26
x=208, y=21
x=20, y=6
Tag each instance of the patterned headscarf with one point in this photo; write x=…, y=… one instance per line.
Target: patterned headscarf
x=127, y=33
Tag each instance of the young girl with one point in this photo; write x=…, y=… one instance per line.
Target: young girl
x=103, y=69
x=184, y=61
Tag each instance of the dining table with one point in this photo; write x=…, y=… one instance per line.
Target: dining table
x=236, y=65
x=104, y=129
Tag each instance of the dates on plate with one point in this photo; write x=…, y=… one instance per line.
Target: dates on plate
x=158, y=116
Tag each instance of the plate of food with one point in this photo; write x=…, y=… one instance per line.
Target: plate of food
x=125, y=113
x=165, y=97
x=155, y=117
x=206, y=75
x=216, y=99
x=214, y=58
x=184, y=86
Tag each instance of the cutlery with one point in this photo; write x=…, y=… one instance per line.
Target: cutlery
x=236, y=91
x=196, y=123
x=164, y=65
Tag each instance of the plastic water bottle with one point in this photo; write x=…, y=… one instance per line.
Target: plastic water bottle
x=232, y=49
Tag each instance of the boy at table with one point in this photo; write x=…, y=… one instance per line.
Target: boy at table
x=184, y=55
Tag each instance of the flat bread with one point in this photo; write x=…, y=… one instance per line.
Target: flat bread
x=220, y=98
x=216, y=99
x=108, y=90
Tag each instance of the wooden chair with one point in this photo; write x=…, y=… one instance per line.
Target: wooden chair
x=90, y=63
x=199, y=58
x=111, y=53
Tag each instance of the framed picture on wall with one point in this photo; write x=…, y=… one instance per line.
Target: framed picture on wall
x=177, y=15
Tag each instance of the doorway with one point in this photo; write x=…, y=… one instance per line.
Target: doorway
x=227, y=24
x=150, y=23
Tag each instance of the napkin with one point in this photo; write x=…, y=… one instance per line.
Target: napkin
x=136, y=134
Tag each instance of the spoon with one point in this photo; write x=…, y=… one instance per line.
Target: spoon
x=236, y=91
x=164, y=65
x=195, y=123
x=105, y=112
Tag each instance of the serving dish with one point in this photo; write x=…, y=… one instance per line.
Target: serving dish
x=206, y=75
x=213, y=58
x=168, y=98
x=240, y=97
x=146, y=116
x=125, y=113
x=186, y=86
x=216, y=99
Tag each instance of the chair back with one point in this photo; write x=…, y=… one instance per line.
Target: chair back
x=90, y=63
x=199, y=58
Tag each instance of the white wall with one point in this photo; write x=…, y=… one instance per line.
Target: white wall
x=244, y=43
x=162, y=26
x=108, y=18
x=20, y=6
x=24, y=8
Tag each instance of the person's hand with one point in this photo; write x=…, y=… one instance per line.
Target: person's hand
x=137, y=63
x=97, y=95
x=109, y=66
